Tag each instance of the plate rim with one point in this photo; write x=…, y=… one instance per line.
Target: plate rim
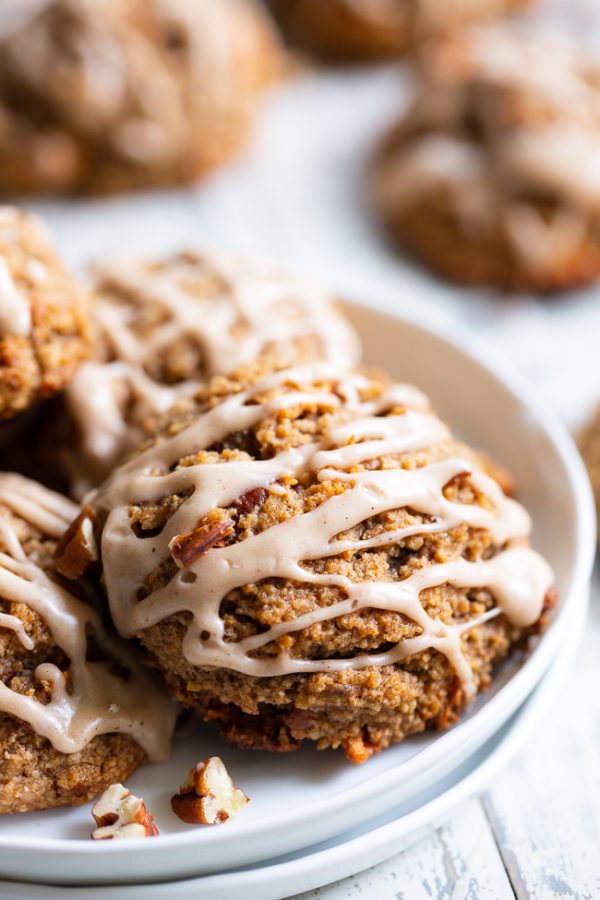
x=525, y=719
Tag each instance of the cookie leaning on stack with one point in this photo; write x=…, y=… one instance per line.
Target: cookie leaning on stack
x=44, y=327
x=77, y=710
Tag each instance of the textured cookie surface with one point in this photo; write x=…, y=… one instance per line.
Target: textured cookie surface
x=80, y=112
x=164, y=327
x=77, y=713
x=308, y=554
x=490, y=177
x=44, y=334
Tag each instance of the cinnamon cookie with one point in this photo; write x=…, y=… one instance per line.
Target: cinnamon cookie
x=364, y=30
x=77, y=713
x=44, y=334
x=589, y=444
x=164, y=327
x=492, y=177
x=102, y=96
x=308, y=554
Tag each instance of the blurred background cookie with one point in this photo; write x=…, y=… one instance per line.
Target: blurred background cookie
x=44, y=334
x=98, y=96
x=492, y=176
x=589, y=444
x=366, y=30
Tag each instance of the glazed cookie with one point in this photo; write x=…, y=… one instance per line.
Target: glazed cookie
x=79, y=112
x=165, y=327
x=308, y=554
x=491, y=177
x=77, y=713
x=44, y=333
x=364, y=30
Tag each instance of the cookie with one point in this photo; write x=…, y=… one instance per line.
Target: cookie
x=79, y=111
x=368, y=30
x=308, y=554
x=44, y=329
x=77, y=712
x=163, y=328
x=489, y=178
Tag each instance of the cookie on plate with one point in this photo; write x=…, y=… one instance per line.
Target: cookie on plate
x=365, y=30
x=163, y=328
x=44, y=333
x=491, y=176
x=308, y=554
x=77, y=713
x=101, y=97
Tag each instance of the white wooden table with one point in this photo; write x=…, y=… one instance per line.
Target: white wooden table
x=297, y=196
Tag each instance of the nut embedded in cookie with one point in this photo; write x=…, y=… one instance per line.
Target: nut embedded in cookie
x=77, y=710
x=77, y=550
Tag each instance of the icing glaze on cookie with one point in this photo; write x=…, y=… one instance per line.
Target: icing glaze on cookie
x=399, y=421
x=213, y=313
x=92, y=697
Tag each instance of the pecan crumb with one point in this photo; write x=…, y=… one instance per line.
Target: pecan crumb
x=358, y=749
x=120, y=815
x=208, y=796
x=187, y=548
x=77, y=548
x=250, y=500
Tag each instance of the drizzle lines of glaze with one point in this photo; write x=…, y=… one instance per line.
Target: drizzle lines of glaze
x=91, y=699
x=517, y=576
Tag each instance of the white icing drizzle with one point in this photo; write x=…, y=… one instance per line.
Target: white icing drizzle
x=555, y=153
x=517, y=576
x=95, y=700
x=250, y=309
x=15, y=311
x=12, y=623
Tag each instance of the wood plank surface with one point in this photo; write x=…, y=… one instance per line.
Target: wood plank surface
x=458, y=860
x=535, y=832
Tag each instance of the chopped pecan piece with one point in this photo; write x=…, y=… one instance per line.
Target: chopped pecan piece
x=121, y=815
x=77, y=548
x=208, y=796
x=250, y=500
x=187, y=548
x=358, y=749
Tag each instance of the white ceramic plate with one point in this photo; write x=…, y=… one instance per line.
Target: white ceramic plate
x=351, y=852
x=308, y=797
